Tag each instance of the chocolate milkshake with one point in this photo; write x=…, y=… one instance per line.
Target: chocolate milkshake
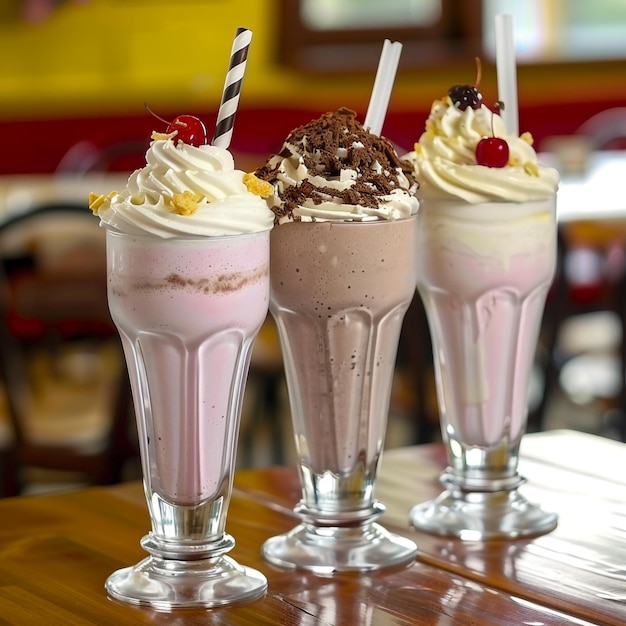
x=343, y=273
x=339, y=291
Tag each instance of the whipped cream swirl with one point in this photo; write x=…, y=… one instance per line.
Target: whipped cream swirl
x=445, y=159
x=323, y=205
x=186, y=190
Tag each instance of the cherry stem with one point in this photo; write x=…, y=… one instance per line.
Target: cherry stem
x=158, y=117
x=479, y=71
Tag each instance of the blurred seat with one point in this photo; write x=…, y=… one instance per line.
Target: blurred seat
x=8, y=477
x=84, y=157
x=266, y=404
x=61, y=364
x=415, y=377
x=615, y=420
x=590, y=284
x=605, y=130
x=581, y=348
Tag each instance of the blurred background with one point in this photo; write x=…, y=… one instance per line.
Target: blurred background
x=75, y=79
x=81, y=70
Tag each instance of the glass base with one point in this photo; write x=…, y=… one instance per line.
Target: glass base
x=328, y=549
x=166, y=582
x=477, y=516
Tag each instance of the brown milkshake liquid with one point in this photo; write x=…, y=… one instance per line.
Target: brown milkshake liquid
x=343, y=271
x=339, y=291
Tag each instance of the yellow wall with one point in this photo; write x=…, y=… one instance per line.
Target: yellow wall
x=111, y=56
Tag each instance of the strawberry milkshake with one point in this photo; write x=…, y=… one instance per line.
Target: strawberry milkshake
x=486, y=259
x=342, y=277
x=188, y=288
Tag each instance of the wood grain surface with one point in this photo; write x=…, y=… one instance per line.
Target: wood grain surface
x=56, y=551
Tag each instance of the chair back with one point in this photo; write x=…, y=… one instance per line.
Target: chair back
x=61, y=362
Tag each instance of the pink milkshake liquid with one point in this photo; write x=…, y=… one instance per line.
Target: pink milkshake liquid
x=484, y=274
x=187, y=310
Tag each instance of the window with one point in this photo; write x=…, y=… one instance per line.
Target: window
x=366, y=14
x=346, y=35
x=561, y=30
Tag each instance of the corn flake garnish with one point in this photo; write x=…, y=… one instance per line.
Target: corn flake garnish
x=258, y=186
x=513, y=162
x=528, y=138
x=531, y=168
x=431, y=128
x=156, y=136
x=96, y=201
x=185, y=203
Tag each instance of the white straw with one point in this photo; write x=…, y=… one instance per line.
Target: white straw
x=383, y=83
x=507, y=72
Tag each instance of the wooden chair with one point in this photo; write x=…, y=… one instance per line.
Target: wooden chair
x=265, y=404
x=597, y=284
x=61, y=361
x=415, y=370
x=577, y=293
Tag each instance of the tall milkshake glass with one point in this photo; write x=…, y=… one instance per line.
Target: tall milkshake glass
x=187, y=310
x=487, y=255
x=484, y=273
x=343, y=274
x=339, y=291
x=188, y=289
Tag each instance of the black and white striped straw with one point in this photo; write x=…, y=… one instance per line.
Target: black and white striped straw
x=232, y=88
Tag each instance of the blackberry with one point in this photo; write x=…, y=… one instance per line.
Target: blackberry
x=464, y=96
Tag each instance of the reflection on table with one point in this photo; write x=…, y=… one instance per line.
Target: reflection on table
x=57, y=550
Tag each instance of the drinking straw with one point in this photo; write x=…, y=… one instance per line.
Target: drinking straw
x=232, y=88
x=385, y=75
x=507, y=72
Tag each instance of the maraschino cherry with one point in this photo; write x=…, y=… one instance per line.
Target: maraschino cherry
x=189, y=129
x=492, y=151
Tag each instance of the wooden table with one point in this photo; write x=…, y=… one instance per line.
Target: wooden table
x=57, y=550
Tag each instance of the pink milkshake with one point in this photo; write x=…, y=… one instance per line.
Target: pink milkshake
x=343, y=274
x=188, y=288
x=188, y=311
x=485, y=271
x=486, y=259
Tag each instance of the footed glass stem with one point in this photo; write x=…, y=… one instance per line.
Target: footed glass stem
x=482, y=499
x=475, y=515
x=174, y=576
x=324, y=544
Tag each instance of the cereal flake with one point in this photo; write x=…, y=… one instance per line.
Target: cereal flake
x=531, y=168
x=185, y=203
x=98, y=200
x=258, y=186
